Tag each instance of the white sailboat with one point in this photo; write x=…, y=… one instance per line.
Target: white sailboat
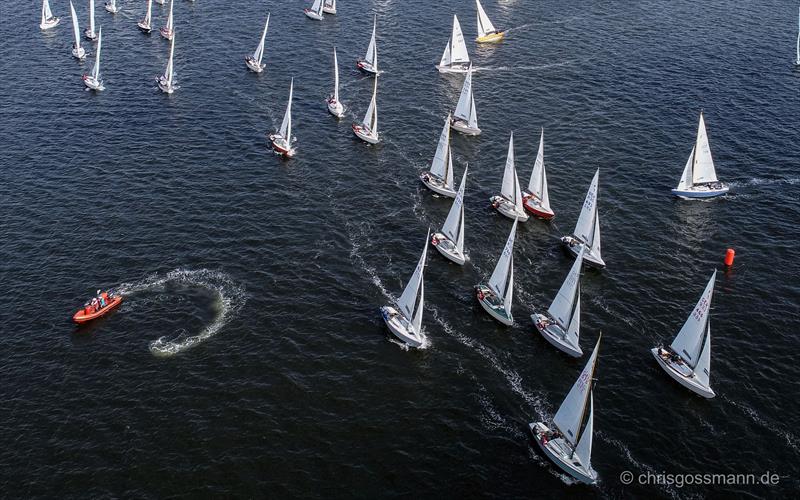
x=497, y=295
x=565, y=444
x=93, y=80
x=48, y=19
x=367, y=130
x=699, y=179
x=450, y=242
x=145, y=24
x=370, y=62
x=253, y=61
x=335, y=107
x=587, y=229
x=169, y=30
x=509, y=201
x=329, y=7
x=315, y=12
x=688, y=358
x=89, y=32
x=487, y=33
x=561, y=323
x=405, y=318
x=536, y=198
x=78, y=52
x=166, y=82
x=440, y=177
x=111, y=6
x=465, y=118
x=455, y=58
x=282, y=141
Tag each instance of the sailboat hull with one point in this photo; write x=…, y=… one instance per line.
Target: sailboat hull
x=50, y=23
x=111, y=8
x=366, y=67
x=166, y=33
x=335, y=107
x=365, y=135
x=79, y=53
x=492, y=306
x=559, y=453
x=312, y=15
x=454, y=68
x=462, y=127
x=436, y=184
x=532, y=204
x=690, y=382
x=253, y=65
x=90, y=35
x=555, y=335
x=329, y=10
x=702, y=191
x=401, y=327
x=92, y=83
x=508, y=209
x=573, y=245
x=144, y=28
x=280, y=146
x=491, y=37
x=448, y=249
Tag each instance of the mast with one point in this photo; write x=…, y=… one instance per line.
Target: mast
x=96, y=69
x=170, y=64
x=335, y=76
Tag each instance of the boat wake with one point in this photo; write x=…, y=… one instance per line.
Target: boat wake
x=672, y=492
x=791, y=440
x=230, y=298
x=755, y=181
x=524, y=68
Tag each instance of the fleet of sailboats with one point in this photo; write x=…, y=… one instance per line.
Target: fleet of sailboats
x=487, y=33
x=563, y=441
x=536, y=199
x=587, y=229
x=283, y=140
x=315, y=12
x=465, y=118
x=168, y=31
x=699, y=179
x=561, y=323
x=145, y=24
x=166, y=82
x=440, y=177
x=93, y=80
x=89, y=32
x=455, y=58
x=688, y=358
x=370, y=62
x=367, y=130
x=405, y=318
x=496, y=296
x=48, y=19
x=78, y=52
x=509, y=201
x=253, y=61
x=450, y=241
x=335, y=106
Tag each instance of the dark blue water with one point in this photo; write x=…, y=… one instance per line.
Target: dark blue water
x=270, y=273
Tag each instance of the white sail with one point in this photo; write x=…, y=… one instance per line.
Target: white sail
x=286, y=124
x=510, y=189
x=410, y=303
x=149, y=14
x=588, y=225
x=372, y=51
x=442, y=164
x=584, y=448
x=75, y=29
x=445, y=60
x=485, y=26
x=689, y=341
x=91, y=17
x=703, y=167
x=330, y=6
x=565, y=308
x=335, y=76
x=502, y=280
x=537, y=185
x=317, y=7
x=454, y=224
x=458, y=48
x=96, y=68
x=170, y=71
x=169, y=17
x=797, y=61
x=465, y=101
x=259, y=53
x=571, y=412
x=703, y=369
x=686, y=178
x=46, y=12
x=371, y=117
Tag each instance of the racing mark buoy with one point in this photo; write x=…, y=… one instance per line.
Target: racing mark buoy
x=729, y=256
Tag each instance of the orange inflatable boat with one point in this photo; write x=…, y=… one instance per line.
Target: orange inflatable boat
x=92, y=310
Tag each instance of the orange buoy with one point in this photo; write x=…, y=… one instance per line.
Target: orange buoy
x=729, y=256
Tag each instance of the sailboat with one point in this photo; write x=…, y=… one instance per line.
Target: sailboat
x=111, y=6
x=405, y=318
x=465, y=118
x=509, y=201
x=587, y=229
x=92, y=80
x=536, y=199
x=254, y=61
x=89, y=32
x=688, y=358
x=450, y=242
x=145, y=24
x=315, y=12
x=455, y=58
x=487, y=33
x=283, y=139
x=367, y=130
x=440, y=178
x=699, y=179
x=561, y=323
x=48, y=19
x=169, y=30
x=335, y=107
x=78, y=52
x=496, y=296
x=329, y=7
x=370, y=62
x=565, y=444
x=166, y=82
